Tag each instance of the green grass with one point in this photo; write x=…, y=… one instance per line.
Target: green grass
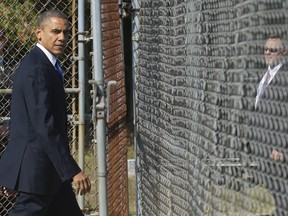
x=132, y=196
x=131, y=180
x=255, y=200
x=130, y=153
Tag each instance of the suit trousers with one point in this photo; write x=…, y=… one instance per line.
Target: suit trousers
x=63, y=203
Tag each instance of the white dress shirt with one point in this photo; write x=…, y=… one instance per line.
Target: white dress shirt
x=272, y=72
x=51, y=57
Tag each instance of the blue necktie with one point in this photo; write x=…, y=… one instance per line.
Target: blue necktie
x=59, y=70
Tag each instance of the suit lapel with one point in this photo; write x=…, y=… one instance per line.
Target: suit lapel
x=47, y=63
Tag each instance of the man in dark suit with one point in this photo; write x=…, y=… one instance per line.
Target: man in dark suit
x=274, y=52
x=37, y=162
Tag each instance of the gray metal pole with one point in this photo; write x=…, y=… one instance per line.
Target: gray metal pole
x=100, y=129
x=81, y=83
x=135, y=38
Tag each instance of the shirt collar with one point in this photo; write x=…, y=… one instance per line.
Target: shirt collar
x=51, y=57
x=274, y=70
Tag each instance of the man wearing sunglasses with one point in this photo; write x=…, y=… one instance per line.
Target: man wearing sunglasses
x=273, y=49
x=273, y=53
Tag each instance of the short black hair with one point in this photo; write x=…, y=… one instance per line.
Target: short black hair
x=42, y=18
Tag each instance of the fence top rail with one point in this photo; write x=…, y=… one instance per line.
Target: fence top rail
x=67, y=90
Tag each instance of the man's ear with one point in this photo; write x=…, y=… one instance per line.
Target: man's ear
x=38, y=34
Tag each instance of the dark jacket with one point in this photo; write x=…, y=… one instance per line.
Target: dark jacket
x=37, y=158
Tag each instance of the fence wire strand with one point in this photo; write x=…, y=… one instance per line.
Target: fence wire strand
x=203, y=149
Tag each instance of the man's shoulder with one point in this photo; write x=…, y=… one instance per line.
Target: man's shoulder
x=281, y=77
x=34, y=57
x=284, y=67
x=34, y=53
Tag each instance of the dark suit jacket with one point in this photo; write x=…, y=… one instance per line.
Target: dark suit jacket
x=276, y=91
x=37, y=158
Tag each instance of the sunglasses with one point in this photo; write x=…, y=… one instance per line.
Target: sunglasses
x=272, y=50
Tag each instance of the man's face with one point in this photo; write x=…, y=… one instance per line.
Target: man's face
x=53, y=35
x=273, y=48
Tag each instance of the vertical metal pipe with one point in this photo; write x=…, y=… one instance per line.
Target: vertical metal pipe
x=73, y=82
x=135, y=38
x=81, y=83
x=100, y=129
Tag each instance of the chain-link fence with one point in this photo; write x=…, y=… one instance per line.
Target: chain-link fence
x=203, y=149
x=17, y=25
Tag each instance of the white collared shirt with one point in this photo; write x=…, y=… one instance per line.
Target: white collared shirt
x=51, y=57
x=272, y=72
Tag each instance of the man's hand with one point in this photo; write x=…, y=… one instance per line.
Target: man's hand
x=277, y=155
x=81, y=183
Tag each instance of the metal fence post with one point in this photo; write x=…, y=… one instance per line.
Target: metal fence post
x=81, y=80
x=100, y=129
x=135, y=36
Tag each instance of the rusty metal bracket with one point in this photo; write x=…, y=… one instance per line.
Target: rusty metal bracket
x=98, y=107
x=87, y=37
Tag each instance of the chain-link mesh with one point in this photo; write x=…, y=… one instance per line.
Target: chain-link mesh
x=17, y=25
x=203, y=148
